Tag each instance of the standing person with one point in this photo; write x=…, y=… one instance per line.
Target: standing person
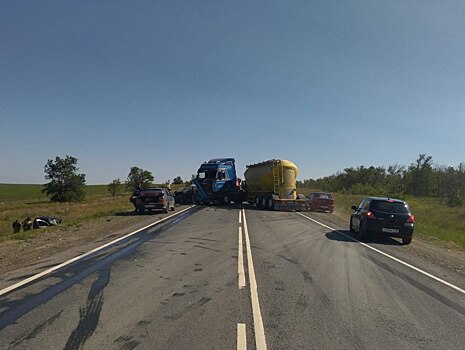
x=16, y=226
x=194, y=191
x=27, y=224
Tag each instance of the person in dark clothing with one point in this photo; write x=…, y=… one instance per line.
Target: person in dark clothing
x=27, y=224
x=16, y=226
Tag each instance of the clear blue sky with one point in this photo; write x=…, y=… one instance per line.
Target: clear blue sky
x=165, y=85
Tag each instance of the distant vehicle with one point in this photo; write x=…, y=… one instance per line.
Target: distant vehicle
x=383, y=216
x=184, y=196
x=152, y=199
x=45, y=221
x=216, y=182
x=321, y=201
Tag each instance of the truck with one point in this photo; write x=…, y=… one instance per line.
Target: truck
x=272, y=185
x=217, y=183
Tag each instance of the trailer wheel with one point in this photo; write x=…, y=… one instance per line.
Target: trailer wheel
x=261, y=202
x=270, y=203
x=257, y=202
x=264, y=202
x=226, y=199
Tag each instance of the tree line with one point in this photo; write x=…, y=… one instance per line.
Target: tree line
x=420, y=178
x=67, y=185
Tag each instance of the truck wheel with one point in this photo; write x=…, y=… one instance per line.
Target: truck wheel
x=257, y=202
x=226, y=199
x=270, y=203
x=263, y=201
x=260, y=202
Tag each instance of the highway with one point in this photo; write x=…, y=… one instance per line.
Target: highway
x=232, y=278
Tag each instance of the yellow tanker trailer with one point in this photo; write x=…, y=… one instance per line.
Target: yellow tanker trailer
x=272, y=185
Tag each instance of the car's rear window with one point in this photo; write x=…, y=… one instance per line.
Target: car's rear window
x=324, y=195
x=390, y=207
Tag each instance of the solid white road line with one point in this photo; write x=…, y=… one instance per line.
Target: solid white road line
x=54, y=268
x=259, y=330
x=241, y=337
x=240, y=261
x=389, y=256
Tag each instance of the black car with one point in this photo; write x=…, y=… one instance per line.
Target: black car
x=184, y=196
x=44, y=221
x=383, y=216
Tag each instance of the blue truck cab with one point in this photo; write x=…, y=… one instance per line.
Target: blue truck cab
x=217, y=182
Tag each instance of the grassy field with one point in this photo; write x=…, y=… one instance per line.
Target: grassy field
x=432, y=219
x=21, y=201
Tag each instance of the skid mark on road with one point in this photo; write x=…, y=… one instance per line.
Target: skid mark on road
x=424, y=288
x=318, y=291
x=30, y=334
x=89, y=313
x=189, y=308
x=213, y=250
x=126, y=343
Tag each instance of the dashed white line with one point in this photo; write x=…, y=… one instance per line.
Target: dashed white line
x=240, y=217
x=240, y=261
x=259, y=330
x=458, y=289
x=241, y=337
x=54, y=268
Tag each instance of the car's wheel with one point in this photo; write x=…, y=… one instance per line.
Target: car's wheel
x=351, y=228
x=362, y=231
x=172, y=208
x=407, y=241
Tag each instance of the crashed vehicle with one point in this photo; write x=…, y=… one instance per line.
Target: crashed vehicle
x=152, y=199
x=45, y=221
x=216, y=182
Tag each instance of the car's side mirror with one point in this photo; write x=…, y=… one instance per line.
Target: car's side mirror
x=354, y=208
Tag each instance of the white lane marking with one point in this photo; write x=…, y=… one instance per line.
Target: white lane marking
x=240, y=261
x=259, y=330
x=241, y=337
x=240, y=217
x=54, y=268
x=390, y=256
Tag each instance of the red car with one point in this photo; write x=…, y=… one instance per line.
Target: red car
x=321, y=201
x=152, y=199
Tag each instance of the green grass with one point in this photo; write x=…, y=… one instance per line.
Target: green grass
x=21, y=201
x=433, y=220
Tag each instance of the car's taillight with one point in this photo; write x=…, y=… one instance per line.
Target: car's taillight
x=411, y=219
x=370, y=215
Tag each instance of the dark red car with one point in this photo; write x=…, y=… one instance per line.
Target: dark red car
x=152, y=199
x=321, y=201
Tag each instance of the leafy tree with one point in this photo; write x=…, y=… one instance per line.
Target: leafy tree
x=138, y=178
x=114, y=187
x=177, y=180
x=65, y=185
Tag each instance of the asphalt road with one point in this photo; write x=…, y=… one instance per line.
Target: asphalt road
x=181, y=284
